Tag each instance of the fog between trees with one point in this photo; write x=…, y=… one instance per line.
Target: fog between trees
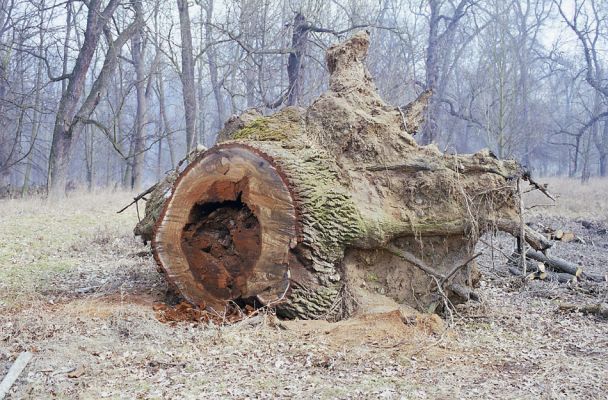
x=113, y=94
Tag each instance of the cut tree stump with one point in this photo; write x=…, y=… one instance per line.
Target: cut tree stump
x=311, y=210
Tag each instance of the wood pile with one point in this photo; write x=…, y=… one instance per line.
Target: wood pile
x=542, y=266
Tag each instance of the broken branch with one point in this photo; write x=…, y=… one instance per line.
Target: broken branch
x=138, y=197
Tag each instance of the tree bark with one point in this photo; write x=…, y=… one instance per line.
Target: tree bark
x=187, y=74
x=138, y=51
x=295, y=62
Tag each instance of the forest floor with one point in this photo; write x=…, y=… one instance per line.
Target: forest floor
x=78, y=291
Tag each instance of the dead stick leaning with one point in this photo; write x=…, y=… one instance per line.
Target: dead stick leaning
x=14, y=372
x=526, y=176
x=456, y=268
x=522, y=227
x=151, y=188
x=138, y=197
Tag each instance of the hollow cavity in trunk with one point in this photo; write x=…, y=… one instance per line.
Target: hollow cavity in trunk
x=221, y=242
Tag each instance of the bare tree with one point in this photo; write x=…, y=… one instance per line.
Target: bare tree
x=69, y=114
x=77, y=102
x=587, y=22
x=442, y=27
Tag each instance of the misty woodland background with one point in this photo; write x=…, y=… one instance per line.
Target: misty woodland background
x=114, y=93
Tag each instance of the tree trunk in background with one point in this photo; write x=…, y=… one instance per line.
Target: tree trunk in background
x=4, y=121
x=139, y=54
x=66, y=44
x=156, y=80
x=5, y=136
x=203, y=125
x=602, y=148
x=435, y=46
x=167, y=133
x=89, y=155
x=213, y=70
x=37, y=119
x=295, y=62
x=187, y=74
x=429, y=131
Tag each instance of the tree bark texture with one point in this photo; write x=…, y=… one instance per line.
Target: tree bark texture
x=312, y=210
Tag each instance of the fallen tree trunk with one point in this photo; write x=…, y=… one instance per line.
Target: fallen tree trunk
x=312, y=210
x=599, y=309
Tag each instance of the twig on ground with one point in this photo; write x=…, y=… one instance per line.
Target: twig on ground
x=14, y=372
x=599, y=309
x=539, y=205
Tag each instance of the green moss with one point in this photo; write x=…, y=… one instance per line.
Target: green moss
x=260, y=129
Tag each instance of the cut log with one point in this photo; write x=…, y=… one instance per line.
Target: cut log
x=594, y=277
x=531, y=265
x=227, y=230
x=530, y=275
x=464, y=292
x=312, y=210
x=560, y=277
x=533, y=238
x=555, y=263
x=568, y=237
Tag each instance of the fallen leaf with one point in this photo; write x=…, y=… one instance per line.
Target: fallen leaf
x=77, y=373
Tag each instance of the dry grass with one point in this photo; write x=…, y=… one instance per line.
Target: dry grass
x=74, y=290
x=575, y=200
x=49, y=249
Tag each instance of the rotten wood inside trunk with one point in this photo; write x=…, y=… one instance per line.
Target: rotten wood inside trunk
x=222, y=244
x=226, y=231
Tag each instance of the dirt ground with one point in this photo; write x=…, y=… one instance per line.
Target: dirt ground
x=78, y=291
